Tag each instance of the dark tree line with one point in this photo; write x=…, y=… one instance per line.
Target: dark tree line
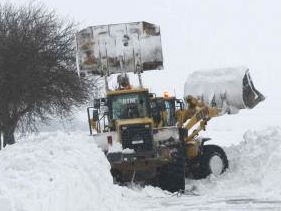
x=37, y=68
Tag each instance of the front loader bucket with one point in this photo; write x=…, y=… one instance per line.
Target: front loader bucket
x=229, y=89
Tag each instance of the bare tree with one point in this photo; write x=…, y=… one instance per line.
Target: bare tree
x=37, y=67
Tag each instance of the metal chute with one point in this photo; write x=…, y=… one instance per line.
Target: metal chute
x=118, y=48
x=229, y=89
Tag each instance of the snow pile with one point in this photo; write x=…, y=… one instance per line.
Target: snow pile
x=254, y=168
x=57, y=172
x=256, y=161
x=251, y=183
x=68, y=172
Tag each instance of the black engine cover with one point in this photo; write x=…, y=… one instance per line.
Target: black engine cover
x=138, y=137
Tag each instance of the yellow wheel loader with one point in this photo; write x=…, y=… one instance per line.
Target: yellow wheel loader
x=134, y=147
x=149, y=139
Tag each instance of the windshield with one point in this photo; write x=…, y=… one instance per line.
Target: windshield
x=163, y=112
x=129, y=106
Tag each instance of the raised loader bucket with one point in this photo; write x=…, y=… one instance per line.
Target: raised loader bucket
x=119, y=48
x=229, y=89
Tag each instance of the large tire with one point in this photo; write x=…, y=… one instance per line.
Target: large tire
x=172, y=176
x=117, y=177
x=210, y=153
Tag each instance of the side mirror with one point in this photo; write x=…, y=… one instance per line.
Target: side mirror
x=95, y=115
x=152, y=95
x=97, y=103
x=180, y=102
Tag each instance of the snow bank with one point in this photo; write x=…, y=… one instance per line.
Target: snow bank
x=56, y=172
x=251, y=183
x=68, y=172
x=254, y=168
x=256, y=162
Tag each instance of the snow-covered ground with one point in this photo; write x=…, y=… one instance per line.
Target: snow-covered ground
x=62, y=171
x=59, y=170
x=68, y=172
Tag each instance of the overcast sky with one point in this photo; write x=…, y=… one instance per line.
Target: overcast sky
x=196, y=35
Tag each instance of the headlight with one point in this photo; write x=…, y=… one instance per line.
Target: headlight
x=146, y=126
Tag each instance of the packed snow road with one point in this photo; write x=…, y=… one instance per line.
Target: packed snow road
x=59, y=171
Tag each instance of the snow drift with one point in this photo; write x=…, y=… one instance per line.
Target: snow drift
x=253, y=176
x=251, y=183
x=56, y=172
x=68, y=172
x=256, y=163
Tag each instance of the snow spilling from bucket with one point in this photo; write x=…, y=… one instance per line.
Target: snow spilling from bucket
x=67, y=171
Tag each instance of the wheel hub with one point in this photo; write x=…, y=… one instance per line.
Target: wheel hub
x=216, y=165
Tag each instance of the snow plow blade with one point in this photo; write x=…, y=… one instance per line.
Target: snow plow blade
x=229, y=89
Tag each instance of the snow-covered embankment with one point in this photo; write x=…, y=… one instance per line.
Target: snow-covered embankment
x=253, y=179
x=56, y=172
x=68, y=172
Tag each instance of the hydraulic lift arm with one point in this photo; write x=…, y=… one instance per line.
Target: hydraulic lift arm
x=198, y=112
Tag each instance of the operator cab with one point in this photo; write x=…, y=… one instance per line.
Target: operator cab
x=128, y=104
x=164, y=109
